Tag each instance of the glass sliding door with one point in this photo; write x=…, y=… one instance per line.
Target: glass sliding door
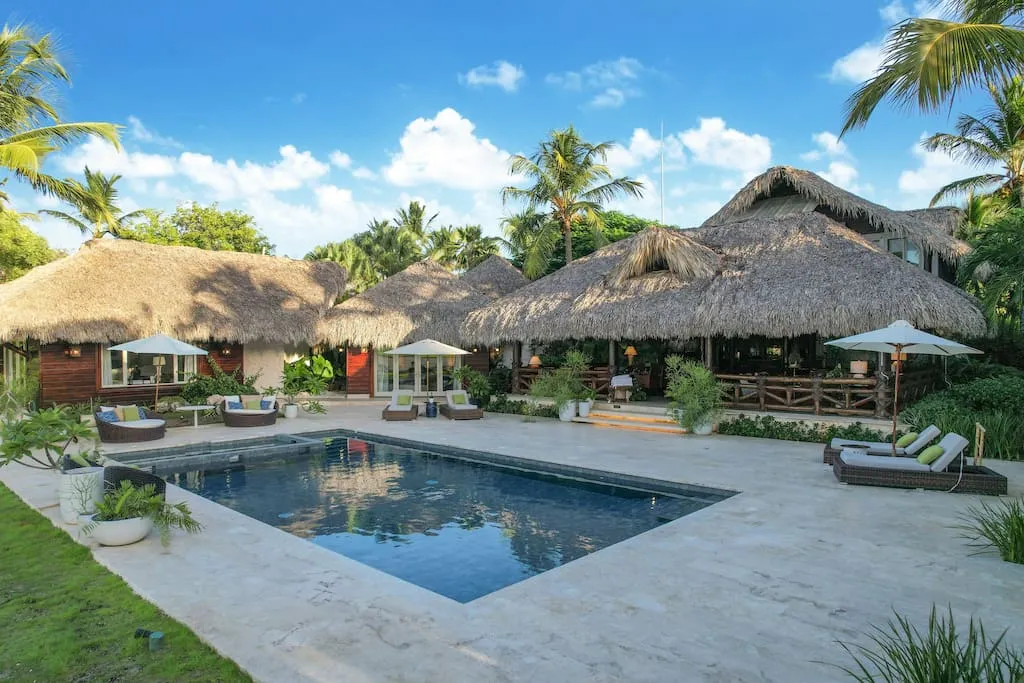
x=429, y=381
x=406, y=372
x=448, y=364
x=384, y=372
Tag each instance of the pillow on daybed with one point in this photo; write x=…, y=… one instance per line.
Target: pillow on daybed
x=930, y=455
x=906, y=439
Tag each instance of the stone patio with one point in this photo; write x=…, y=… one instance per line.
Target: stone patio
x=755, y=588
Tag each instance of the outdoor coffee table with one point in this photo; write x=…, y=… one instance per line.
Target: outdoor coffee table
x=195, y=410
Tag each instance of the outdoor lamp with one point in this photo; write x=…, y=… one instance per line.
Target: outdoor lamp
x=73, y=351
x=630, y=353
x=858, y=368
x=534, y=362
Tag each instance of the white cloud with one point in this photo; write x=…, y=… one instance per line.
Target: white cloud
x=298, y=98
x=340, y=159
x=364, y=173
x=896, y=11
x=934, y=170
x=444, y=150
x=228, y=180
x=715, y=144
x=644, y=147
x=828, y=145
x=845, y=175
x=139, y=132
x=859, y=65
x=501, y=74
x=614, y=81
x=100, y=155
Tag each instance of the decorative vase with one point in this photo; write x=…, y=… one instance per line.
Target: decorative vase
x=291, y=410
x=122, y=531
x=79, y=491
x=567, y=412
x=585, y=407
x=703, y=429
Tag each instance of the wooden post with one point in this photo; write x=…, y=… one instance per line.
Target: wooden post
x=881, y=397
x=761, y=391
x=708, y=360
x=816, y=386
x=611, y=358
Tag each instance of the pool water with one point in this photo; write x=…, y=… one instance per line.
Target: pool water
x=456, y=527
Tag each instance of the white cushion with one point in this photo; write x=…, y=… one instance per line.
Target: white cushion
x=883, y=462
x=464, y=406
x=393, y=405
x=877, y=447
x=249, y=411
x=106, y=409
x=953, y=445
x=140, y=424
x=234, y=399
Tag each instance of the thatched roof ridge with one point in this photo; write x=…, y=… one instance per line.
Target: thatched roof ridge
x=117, y=290
x=423, y=301
x=788, y=276
x=920, y=225
x=495, y=277
x=663, y=249
x=946, y=218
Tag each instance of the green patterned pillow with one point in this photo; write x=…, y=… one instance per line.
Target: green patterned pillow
x=251, y=404
x=906, y=440
x=131, y=414
x=459, y=399
x=930, y=455
x=405, y=400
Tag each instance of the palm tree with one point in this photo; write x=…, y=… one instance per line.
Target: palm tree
x=30, y=127
x=980, y=211
x=995, y=268
x=442, y=245
x=570, y=184
x=926, y=62
x=994, y=139
x=99, y=214
x=474, y=248
x=390, y=248
x=414, y=220
x=360, y=274
x=531, y=237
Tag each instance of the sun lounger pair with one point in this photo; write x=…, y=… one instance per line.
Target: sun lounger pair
x=927, y=435
x=947, y=473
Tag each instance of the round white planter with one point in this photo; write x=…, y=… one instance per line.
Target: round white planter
x=585, y=407
x=78, y=492
x=703, y=429
x=291, y=410
x=121, y=532
x=567, y=412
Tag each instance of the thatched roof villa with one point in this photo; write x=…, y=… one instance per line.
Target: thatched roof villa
x=250, y=310
x=788, y=262
x=423, y=301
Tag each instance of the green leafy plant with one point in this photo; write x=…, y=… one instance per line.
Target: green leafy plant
x=695, y=393
x=767, y=427
x=511, y=406
x=201, y=387
x=836, y=372
x=564, y=384
x=316, y=408
x=128, y=501
x=299, y=378
x=500, y=378
x=476, y=384
x=51, y=431
x=17, y=396
x=960, y=408
x=999, y=527
x=900, y=653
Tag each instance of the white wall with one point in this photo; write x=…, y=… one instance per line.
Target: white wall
x=267, y=359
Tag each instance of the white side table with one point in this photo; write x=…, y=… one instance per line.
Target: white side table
x=195, y=410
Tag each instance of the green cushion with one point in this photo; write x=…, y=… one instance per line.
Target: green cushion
x=251, y=404
x=459, y=399
x=131, y=414
x=930, y=455
x=405, y=400
x=906, y=440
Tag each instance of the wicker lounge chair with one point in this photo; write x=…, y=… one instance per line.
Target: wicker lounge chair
x=948, y=473
x=458, y=407
x=149, y=427
x=243, y=417
x=401, y=408
x=113, y=475
x=833, y=449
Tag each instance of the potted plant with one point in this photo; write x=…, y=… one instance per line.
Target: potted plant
x=476, y=384
x=298, y=378
x=128, y=513
x=586, y=401
x=42, y=440
x=695, y=394
x=564, y=385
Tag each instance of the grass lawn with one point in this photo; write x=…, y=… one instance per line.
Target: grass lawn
x=63, y=617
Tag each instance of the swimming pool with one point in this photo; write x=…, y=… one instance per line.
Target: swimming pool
x=462, y=528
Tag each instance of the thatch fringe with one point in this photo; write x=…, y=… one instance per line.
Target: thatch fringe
x=777, y=277
x=116, y=290
x=932, y=228
x=656, y=249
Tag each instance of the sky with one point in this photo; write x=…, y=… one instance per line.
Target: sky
x=316, y=117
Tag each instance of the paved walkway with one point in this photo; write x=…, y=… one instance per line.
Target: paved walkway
x=755, y=588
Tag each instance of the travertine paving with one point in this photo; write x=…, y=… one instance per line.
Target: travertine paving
x=755, y=588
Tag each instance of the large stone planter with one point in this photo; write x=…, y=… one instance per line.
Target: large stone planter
x=567, y=412
x=78, y=492
x=122, y=531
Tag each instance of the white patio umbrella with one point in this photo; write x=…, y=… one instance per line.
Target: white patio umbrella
x=160, y=345
x=898, y=338
x=427, y=347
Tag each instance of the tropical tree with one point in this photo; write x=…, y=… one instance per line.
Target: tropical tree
x=20, y=248
x=926, y=62
x=204, y=227
x=30, y=126
x=390, y=247
x=473, y=247
x=442, y=245
x=98, y=213
x=995, y=268
x=360, y=273
x=569, y=185
x=980, y=211
x=995, y=140
x=414, y=220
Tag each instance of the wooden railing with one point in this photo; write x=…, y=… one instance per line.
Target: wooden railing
x=522, y=378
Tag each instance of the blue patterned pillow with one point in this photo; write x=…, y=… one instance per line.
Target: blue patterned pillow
x=234, y=405
x=266, y=404
x=106, y=416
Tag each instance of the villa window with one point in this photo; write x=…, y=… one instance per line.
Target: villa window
x=419, y=374
x=124, y=368
x=14, y=361
x=908, y=250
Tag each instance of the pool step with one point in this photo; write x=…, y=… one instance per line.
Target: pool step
x=632, y=417
x=662, y=427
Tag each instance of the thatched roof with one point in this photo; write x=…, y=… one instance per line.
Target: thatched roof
x=932, y=228
x=117, y=290
x=778, y=277
x=495, y=277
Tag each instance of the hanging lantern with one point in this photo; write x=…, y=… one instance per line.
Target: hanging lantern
x=630, y=353
x=534, y=362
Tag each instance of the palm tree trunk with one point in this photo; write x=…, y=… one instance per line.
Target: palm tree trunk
x=567, y=231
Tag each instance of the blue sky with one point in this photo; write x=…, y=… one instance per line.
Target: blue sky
x=316, y=118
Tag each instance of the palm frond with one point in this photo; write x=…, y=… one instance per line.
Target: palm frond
x=965, y=186
x=68, y=218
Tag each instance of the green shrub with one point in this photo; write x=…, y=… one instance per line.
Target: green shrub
x=500, y=378
x=201, y=387
x=696, y=394
x=999, y=527
x=1003, y=392
x=503, y=404
x=1004, y=431
x=899, y=652
x=767, y=427
x=474, y=382
x=960, y=369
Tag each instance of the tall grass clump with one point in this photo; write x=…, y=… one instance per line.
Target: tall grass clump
x=997, y=527
x=899, y=653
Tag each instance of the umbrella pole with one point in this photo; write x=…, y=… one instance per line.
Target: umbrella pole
x=896, y=395
x=156, y=395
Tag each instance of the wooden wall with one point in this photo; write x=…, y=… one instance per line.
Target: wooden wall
x=478, y=360
x=228, y=364
x=359, y=370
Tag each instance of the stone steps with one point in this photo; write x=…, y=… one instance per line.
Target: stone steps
x=631, y=423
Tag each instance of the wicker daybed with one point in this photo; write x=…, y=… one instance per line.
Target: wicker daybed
x=453, y=409
x=240, y=417
x=149, y=427
x=400, y=415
